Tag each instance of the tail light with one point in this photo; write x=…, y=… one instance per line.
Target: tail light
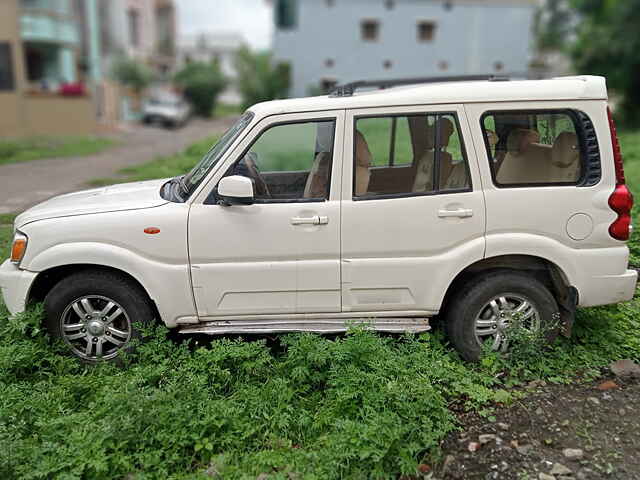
x=621, y=200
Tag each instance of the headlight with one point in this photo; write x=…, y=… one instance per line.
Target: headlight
x=19, y=247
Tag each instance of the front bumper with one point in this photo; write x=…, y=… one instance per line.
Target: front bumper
x=15, y=285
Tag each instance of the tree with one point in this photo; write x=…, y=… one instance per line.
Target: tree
x=201, y=83
x=608, y=44
x=132, y=74
x=553, y=25
x=259, y=79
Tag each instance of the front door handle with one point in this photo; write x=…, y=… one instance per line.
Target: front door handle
x=315, y=220
x=460, y=213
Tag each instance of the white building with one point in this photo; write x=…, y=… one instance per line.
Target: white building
x=335, y=41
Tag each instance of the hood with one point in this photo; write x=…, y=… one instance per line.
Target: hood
x=126, y=196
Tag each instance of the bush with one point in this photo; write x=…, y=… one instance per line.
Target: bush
x=132, y=74
x=201, y=83
x=259, y=80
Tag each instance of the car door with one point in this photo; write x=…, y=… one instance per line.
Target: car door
x=413, y=212
x=279, y=255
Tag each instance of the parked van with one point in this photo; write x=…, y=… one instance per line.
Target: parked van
x=490, y=203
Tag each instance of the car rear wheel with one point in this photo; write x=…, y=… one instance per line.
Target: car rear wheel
x=96, y=314
x=487, y=308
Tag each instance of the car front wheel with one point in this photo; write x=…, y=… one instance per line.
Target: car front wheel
x=96, y=314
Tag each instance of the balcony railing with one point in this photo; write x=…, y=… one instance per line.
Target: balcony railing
x=36, y=25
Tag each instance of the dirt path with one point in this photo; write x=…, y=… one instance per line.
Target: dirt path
x=598, y=422
x=25, y=184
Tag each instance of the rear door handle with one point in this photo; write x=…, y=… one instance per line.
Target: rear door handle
x=460, y=213
x=315, y=220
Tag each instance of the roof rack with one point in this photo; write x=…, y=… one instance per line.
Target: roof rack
x=348, y=89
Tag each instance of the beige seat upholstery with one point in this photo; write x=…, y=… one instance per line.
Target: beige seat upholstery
x=565, y=158
x=362, y=164
x=526, y=161
x=452, y=175
x=318, y=179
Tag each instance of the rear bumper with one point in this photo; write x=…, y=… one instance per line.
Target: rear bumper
x=15, y=285
x=607, y=289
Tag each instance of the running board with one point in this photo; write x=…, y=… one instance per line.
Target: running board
x=393, y=325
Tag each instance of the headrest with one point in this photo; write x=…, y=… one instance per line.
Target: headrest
x=444, y=128
x=363, y=154
x=520, y=138
x=565, y=150
x=492, y=137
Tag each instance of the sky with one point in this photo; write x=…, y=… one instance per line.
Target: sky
x=250, y=18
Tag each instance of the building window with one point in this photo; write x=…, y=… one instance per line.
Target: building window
x=426, y=31
x=387, y=64
x=443, y=65
x=329, y=63
x=498, y=66
x=370, y=30
x=286, y=14
x=330, y=3
x=390, y=4
x=134, y=26
x=448, y=5
x=6, y=67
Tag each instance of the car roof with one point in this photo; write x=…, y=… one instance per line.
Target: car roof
x=562, y=88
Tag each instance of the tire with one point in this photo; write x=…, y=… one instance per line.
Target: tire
x=471, y=316
x=99, y=310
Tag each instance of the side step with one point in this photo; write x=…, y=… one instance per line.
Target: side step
x=394, y=325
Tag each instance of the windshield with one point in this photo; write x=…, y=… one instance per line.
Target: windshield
x=195, y=176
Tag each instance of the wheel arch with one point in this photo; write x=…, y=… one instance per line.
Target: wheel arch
x=50, y=277
x=548, y=272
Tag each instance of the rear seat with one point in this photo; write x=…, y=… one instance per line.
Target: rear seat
x=526, y=161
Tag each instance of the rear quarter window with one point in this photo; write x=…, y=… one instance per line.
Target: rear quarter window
x=540, y=148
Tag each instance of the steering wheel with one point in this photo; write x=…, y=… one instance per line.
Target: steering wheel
x=262, y=190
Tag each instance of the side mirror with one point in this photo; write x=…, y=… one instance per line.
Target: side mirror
x=235, y=190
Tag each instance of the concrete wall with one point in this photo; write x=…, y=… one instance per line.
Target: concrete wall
x=12, y=113
x=54, y=115
x=471, y=37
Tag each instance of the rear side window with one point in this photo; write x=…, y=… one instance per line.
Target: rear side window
x=535, y=148
x=401, y=156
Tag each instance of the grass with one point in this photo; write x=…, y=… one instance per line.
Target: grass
x=162, y=167
x=356, y=406
x=35, y=148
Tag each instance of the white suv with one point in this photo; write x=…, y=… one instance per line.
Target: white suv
x=484, y=201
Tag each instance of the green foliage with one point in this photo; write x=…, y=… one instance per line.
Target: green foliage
x=201, y=83
x=132, y=73
x=553, y=25
x=259, y=80
x=607, y=44
x=35, y=148
x=361, y=405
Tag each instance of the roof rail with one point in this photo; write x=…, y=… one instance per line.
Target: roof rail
x=348, y=89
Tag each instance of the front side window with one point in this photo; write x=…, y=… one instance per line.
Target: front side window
x=6, y=67
x=290, y=162
x=533, y=148
x=409, y=155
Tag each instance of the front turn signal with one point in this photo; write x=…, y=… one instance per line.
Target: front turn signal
x=19, y=247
